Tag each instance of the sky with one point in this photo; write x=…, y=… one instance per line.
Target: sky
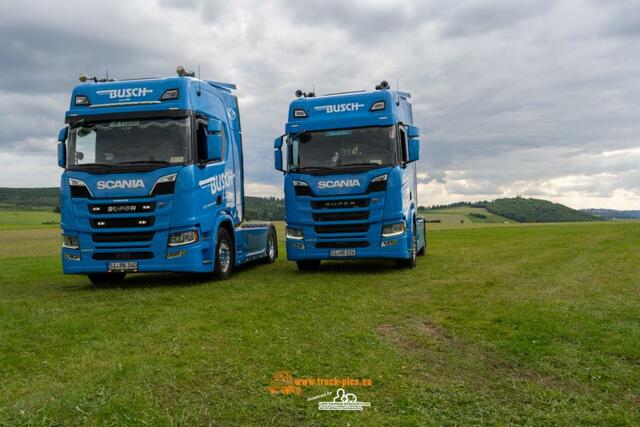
x=534, y=98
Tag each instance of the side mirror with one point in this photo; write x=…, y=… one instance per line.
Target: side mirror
x=62, y=135
x=62, y=154
x=413, y=131
x=414, y=150
x=277, y=153
x=214, y=139
x=214, y=126
x=62, y=146
x=214, y=147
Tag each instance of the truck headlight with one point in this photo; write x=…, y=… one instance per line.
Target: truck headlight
x=393, y=229
x=70, y=242
x=183, y=238
x=294, y=233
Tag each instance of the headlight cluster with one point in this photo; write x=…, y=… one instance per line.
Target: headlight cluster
x=393, y=229
x=294, y=233
x=70, y=242
x=183, y=238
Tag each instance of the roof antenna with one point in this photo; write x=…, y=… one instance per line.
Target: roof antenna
x=397, y=92
x=107, y=73
x=199, y=81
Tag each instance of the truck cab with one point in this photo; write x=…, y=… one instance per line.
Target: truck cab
x=153, y=180
x=350, y=182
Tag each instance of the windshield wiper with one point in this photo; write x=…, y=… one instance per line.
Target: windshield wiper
x=310, y=168
x=134, y=162
x=94, y=164
x=358, y=164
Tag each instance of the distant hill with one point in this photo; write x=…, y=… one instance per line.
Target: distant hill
x=536, y=210
x=520, y=209
x=46, y=199
x=613, y=213
x=32, y=199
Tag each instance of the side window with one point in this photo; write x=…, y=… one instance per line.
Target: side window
x=403, y=144
x=201, y=138
x=224, y=144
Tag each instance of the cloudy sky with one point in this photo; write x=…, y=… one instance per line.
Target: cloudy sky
x=531, y=97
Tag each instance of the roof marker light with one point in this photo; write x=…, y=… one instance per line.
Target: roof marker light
x=82, y=100
x=169, y=94
x=299, y=113
x=377, y=106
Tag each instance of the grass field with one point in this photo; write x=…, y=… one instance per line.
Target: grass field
x=497, y=325
x=464, y=216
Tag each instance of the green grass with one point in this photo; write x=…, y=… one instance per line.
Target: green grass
x=464, y=216
x=497, y=325
x=28, y=219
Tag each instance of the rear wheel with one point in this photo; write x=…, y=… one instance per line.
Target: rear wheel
x=308, y=265
x=423, y=251
x=411, y=262
x=105, y=278
x=224, y=255
x=272, y=247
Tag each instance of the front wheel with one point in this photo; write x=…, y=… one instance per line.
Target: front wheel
x=411, y=262
x=105, y=278
x=308, y=265
x=224, y=255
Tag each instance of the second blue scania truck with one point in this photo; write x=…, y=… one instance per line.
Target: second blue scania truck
x=350, y=182
x=153, y=180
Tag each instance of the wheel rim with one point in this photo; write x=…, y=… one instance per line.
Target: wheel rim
x=224, y=256
x=415, y=248
x=271, y=247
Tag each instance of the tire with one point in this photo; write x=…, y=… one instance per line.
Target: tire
x=308, y=265
x=224, y=256
x=411, y=262
x=272, y=247
x=106, y=278
x=423, y=251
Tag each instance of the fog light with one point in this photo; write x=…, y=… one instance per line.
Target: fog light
x=393, y=229
x=294, y=233
x=72, y=257
x=70, y=242
x=183, y=238
x=297, y=245
x=171, y=255
x=386, y=243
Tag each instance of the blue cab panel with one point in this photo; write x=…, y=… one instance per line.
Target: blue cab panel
x=350, y=182
x=153, y=180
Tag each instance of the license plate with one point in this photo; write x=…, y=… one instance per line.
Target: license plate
x=123, y=266
x=342, y=252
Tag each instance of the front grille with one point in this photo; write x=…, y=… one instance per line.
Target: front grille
x=122, y=208
x=121, y=256
x=342, y=228
x=326, y=245
x=340, y=216
x=122, y=222
x=340, y=204
x=121, y=237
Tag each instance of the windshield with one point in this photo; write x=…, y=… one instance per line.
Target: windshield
x=130, y=142
x=328, y=149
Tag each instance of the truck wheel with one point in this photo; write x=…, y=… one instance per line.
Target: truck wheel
x=308, y=265
x=104, y=278
x=423, y=251
x=411, y=262
x=224, y=255
x=272, y=247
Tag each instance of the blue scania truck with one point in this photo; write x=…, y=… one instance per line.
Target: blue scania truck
x=350, y=182
x=153, y=180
